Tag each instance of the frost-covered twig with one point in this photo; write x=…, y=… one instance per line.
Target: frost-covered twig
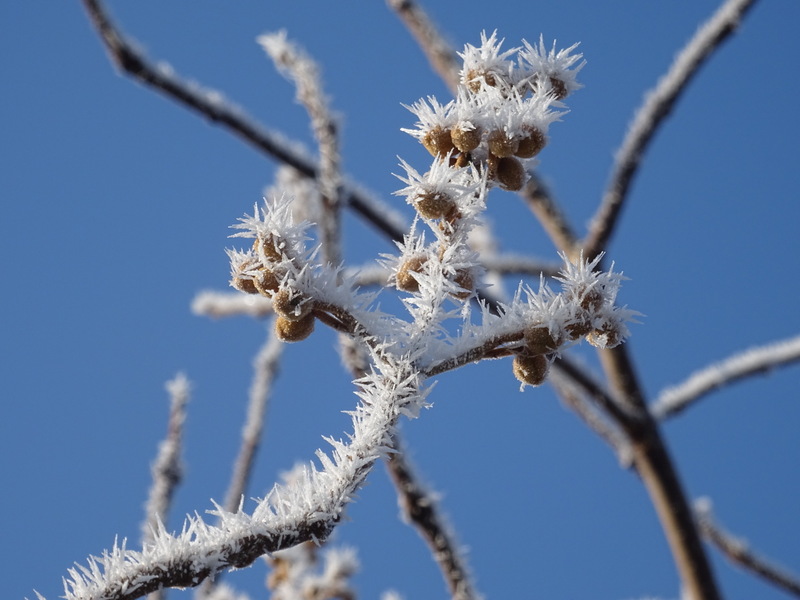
x=547, y=211
x=265, y=369
x=304, y=72
x=738, y=550
x=440, y=54
x=215, y=304
x=420, y=507
x=754, y=361
x=658, y=103
x=167, y=469
x=296, y=573
x=211, y=105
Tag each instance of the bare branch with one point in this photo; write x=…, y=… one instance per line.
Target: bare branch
x=265, y=369
x=210, y=104
x=538, y=198
x=167, y=469
x=657, y=105
x=755, y=361
x=420, y=508
x=738, y=551
x=440, y=54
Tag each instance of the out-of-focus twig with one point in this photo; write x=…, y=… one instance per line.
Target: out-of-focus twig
x=738, y=551
x=751, y=362
x=541, y=202
x=210, y=104
x=658, y=103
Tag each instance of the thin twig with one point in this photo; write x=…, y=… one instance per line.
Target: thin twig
x=265, y=369
x=754, y=361
x=210, y=105
x=658, y=103
x=420, y=508
x=440, y=54
x=737, y=551
x=541, y=202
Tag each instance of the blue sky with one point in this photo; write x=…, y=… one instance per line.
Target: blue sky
x=115, y=213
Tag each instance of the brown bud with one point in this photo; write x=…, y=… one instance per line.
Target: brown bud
x=501, y=145
x=510, y=173
x=244, y=284
x=473, y=79
x=591, y=299
x=559, y=88
x=438, y=142
x=531, y=144
x=466, y=281
x=606, y=336
x=269, y=245
x=539, y=340
x=294, y=331
x=466, y=137
x=291, y=305
x=434, y=205
x=267, y=282
x=405, y=279
x=581, y=326
x=531, y=369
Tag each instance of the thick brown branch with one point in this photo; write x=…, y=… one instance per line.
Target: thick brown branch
x=658, y=104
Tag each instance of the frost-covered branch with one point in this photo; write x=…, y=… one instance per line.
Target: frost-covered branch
x=763, y=359
x=212, y=105
x=738, y=551
x=167, y=469
x=658, y=103
x=420, y=507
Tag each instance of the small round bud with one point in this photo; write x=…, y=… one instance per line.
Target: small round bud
x=294, y=331
x=434, y=205
x=510, y=173
x=591, y=299
x=581, y=326
x=244, y=284
x=438, y=142
x=606, y=336
x=473, y=80
x=501, y=145
x=531, y=369
x=466, y=136
x=267, y=282
x=559, y=88
x=539, y=340
x=291, y=305
x=466, y=281
x=531, y=144
x=405, y=279
x=269, y=247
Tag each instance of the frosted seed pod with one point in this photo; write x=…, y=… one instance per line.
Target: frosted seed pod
x=438, y=142
x=510, y=173
x=501, y=144
x=474, y=78
x=291, y=305
x=268, y=246
x=559, y=88
x=530, y=144
x=466, y=281
x=531, y=369
x=434, y=205
x=581, y=326
x=539, y=340
x=466, y=136
x=267, y=282
x=405, y=279
x=591, y=299
x=294, y=331
x=605, y=336
x=244, y=284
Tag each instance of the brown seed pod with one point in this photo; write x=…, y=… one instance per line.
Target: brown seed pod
x=606, y=336
x=294, y=331
x=591, y=299
x=405, y=279
x=466, y=137
x=466, y=281
x=291, y=305
x=438, y=142
x=244, y=284
x=510, y=173
x=500, y=144
x=434, y=205
x=531, y=144
x=473, y=79
x=539, y=340
x=531, y=369
x=269, y=245
x=581, y=326
x=267, y=282
x=559, y=88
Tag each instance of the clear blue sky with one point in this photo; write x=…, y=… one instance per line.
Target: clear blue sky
x=115, y=212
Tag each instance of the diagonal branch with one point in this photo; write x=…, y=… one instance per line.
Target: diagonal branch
x=657, y=105
x=210, y=105
x=737, y=550
x=754, y=361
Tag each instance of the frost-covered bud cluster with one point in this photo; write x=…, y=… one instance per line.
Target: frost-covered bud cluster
x=273, y=266
x=297, y=574
x=503, y=108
